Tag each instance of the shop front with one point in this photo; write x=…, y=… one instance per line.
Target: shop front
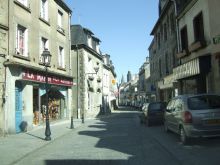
x=192, y=76
x=26, y=101
x=57, y=93
x=167, y=88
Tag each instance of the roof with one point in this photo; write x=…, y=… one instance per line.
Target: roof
x=96, y=39
x=63, y=5
x=160, y=17
x=77, y=35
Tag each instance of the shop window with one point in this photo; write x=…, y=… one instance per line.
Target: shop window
x=22, y=41
x=184, y=38
x=44, y=9
x=198, y=27
x=61, y=61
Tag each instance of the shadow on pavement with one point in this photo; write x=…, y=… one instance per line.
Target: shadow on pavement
x=118, y=133
x=35, y=136
x=86, y=162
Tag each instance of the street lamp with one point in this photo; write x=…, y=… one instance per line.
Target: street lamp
x=46, y=58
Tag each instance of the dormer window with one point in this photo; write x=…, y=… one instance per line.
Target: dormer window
x=89, y=41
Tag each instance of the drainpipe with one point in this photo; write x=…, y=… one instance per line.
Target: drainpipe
x=70, y=68
x=177, y=25
x=79, y=113
x=176, y=90
x=5, y=77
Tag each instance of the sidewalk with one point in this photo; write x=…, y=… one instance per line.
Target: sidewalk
x=17, y=146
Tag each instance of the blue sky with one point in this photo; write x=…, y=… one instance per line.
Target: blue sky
x=123, y=26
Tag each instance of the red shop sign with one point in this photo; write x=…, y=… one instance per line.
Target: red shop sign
x=38, y=77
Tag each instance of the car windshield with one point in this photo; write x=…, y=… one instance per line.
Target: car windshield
x=204, y=102
x=157, y=106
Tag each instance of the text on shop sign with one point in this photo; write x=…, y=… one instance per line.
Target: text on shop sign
x=38, y=77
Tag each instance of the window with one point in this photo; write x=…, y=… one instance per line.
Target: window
x=167, y=63
x=165, y=31
x=204, y=102
x=24, y=2
x=198, y=27
x=172, y=23
x=178, y=105
x=44, y=10
x=89, y=41
x=158, y=40
x=60, y=19
x=160, y=67
x=184, y=38
x=161, y=32
x=174, y=58
x=44, y=44
x=61, y=61
x=219, y=66
x=22, y=41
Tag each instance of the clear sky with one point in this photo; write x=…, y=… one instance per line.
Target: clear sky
x=123, y=26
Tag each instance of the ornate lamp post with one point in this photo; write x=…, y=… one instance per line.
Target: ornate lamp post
x=46, y=57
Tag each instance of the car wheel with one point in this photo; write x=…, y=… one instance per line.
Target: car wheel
x=183, y=138
x=166, y=127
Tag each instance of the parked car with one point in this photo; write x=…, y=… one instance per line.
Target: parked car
x=193, y=116
x=153, y=113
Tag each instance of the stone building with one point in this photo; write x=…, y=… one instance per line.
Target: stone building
x=87, y=67
x=199, y=54
x=27, y=27
x=162, y=52
x=109, y=85
x=144, y=84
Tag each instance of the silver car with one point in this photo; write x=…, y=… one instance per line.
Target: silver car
x=193, y=116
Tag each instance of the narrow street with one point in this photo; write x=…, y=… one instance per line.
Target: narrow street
x=121, y=139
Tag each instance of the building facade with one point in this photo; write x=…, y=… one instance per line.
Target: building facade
x=87, y=67
x=30, y=30
x=162, y=52
x=144, y=83
x=109, y=86
x=198, y=71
